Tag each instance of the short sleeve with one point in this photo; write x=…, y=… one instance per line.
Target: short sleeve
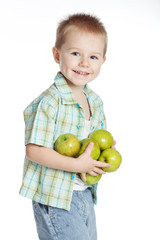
x=40, y=123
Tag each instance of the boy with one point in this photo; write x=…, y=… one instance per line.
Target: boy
x=63, y=204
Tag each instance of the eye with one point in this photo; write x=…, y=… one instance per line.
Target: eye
x=75, y=54
x=94, y=57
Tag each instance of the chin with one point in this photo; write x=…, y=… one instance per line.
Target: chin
x=78, y=82
x=81, y=84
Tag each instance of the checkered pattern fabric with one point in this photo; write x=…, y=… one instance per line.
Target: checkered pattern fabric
x=50, y=115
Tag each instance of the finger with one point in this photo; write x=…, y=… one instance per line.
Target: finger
x=102, y=164
x=114, y=143
x=83, y=176
x=94, y=174
x=98, y=171
x=89, y=148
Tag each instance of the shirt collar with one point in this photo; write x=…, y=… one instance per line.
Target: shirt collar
x=67, y=94
x=64, y=90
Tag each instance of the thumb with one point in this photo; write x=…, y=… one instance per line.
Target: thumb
x=89, y=148
x=83, y=176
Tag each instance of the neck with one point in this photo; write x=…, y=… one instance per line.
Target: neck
x=77, y=90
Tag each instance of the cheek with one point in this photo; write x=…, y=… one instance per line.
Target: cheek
x=97, y=68
x=67, y=62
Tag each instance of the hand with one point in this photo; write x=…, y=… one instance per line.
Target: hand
x=86, y=164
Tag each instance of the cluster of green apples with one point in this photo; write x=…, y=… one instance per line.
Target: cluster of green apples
x=69, y=145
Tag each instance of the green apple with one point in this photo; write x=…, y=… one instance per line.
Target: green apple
x=111, y=156
x=67, y=144
x=103, y=138
x=95, y=153
x=90, y=180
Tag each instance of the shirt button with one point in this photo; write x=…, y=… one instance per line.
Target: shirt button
x=78, y=126
x=72, y=177
x=78, y=105
x=102, y=124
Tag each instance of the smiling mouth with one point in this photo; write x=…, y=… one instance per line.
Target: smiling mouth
x=81, y=73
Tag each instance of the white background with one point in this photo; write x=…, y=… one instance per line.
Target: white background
x=128, y=199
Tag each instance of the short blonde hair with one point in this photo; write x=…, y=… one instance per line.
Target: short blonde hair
x=84, y=22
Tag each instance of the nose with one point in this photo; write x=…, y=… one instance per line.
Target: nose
x=84, y=62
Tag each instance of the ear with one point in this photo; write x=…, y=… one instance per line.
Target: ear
x=55, y=54
x=104, y=59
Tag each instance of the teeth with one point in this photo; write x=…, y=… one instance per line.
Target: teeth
x=82, y=73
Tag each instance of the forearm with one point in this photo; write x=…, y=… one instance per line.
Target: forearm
x=50, y=158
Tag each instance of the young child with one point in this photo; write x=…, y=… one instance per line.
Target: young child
x=63, y=204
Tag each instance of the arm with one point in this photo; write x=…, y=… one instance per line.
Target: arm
x=50, y=158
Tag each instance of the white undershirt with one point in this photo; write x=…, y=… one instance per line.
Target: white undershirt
x=78, y=183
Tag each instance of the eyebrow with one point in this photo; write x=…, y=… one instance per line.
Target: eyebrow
x=97, y=53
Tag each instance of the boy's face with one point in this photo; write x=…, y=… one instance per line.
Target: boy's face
x=80, y=57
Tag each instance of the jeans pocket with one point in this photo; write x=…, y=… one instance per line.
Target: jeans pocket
x=37, y=212
x=44, y=224
x=46, y=209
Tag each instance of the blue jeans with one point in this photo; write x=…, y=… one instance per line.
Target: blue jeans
x=58, y=224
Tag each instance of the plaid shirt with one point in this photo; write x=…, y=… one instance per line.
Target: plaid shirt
x=52, y=114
